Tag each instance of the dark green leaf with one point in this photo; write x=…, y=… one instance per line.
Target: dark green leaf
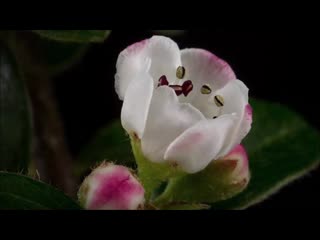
x=186, y=206
x=15, y=123
x=75, y=35
x=21, y=192
x=60, y=56
x=281, y=146
x=38, y=54
x=110, y=143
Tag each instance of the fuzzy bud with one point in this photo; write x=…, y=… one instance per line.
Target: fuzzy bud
x=111, y=187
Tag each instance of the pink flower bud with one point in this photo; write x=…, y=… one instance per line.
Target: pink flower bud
x=111, y=187
x=240, y=173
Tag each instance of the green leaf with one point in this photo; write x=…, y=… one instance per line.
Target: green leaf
x=21, y=192
x=40, y=55
x=111, y=144
x=15, y=123
x=83, y=36
x=61, y=56
x=186, y=206
x=281, y=146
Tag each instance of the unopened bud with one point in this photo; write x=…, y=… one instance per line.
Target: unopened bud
x=111, y=187
x=239, y=172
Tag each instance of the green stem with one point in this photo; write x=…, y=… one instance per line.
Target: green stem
x=151, y=174
x=162, y=200
x=149, y=182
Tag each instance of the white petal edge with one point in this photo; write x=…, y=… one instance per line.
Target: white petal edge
x=165, y=56
x=194, y=149
x=205, y=68
x=167, y=119
x=235, y=96
x=158, y=55
x=136, y=104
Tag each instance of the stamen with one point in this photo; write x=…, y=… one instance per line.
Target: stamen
x=215, y=117
x=218, y=100
x=187, y=87
x=163, y=81
x=180, y=72
x=177, y=89
x=205, y=89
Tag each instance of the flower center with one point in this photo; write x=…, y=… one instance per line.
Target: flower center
x=187, y=87
x=184, y=89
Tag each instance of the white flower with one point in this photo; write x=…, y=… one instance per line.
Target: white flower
x=186, y=107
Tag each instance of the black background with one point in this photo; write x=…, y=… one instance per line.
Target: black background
x=276, y=65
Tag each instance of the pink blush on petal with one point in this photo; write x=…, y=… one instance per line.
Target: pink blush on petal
x=248, y=111
x=188, y=141
x=115, y=189
x=219, y=64
x=239, y=153
x=137, y=46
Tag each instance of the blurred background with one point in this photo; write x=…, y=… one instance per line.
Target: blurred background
x=275, y=65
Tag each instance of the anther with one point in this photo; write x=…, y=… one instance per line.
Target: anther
x=180, y=72
x=177, y=89
x=205, y=89
x=187, y=87
x=163, y=81
x=218, y=100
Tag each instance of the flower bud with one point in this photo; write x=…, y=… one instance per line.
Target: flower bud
x=222, y=179
x=111, y=187
x=237, y=160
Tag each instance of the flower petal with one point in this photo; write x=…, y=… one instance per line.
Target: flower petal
x=245, y=124
x=199, y=145
x=204, y=69
x=235, y=95
x=167, y=119
x=131, y=61
x=157, y=55
x=165, y=55
x=136, y=104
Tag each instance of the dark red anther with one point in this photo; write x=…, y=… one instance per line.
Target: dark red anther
x=187, y=87
x=177, y=89
x=163, y=81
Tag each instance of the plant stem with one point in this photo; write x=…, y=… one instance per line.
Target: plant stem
x=52, y=154
x=52, y=157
